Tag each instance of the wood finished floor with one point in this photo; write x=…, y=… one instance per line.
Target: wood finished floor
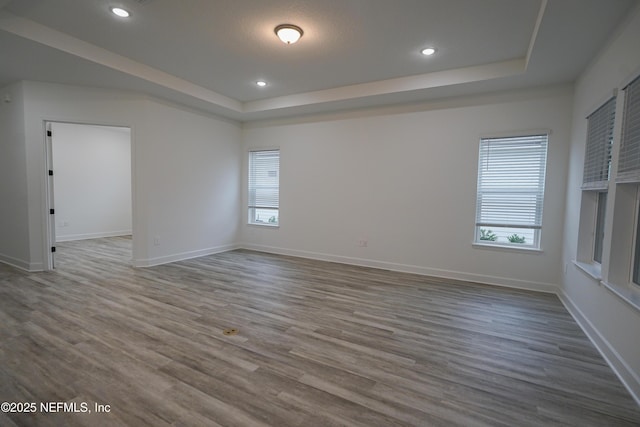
x=319, y=344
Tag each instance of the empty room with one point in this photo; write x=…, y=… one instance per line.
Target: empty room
x=319, y=213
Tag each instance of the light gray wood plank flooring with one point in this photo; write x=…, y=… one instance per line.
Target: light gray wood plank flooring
x=319, y=344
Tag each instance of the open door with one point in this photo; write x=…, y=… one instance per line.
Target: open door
x=51, y=234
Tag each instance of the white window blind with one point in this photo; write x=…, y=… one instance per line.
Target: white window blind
x=511, y=173
x=629, y=162
x=597, y=159
x=264, y=187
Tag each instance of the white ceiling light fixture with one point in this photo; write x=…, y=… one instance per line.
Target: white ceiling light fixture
x=261, y=83
x=289, y=33
x=428, y=51
x=118, y=11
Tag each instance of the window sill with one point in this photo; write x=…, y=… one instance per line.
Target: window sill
x=507, y=248
x=593, y=270
x=265, y=225
x=627, y=293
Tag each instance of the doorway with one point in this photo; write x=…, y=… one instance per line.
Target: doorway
x=89, y=191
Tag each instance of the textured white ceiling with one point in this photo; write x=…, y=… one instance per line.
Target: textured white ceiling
x=209, y=53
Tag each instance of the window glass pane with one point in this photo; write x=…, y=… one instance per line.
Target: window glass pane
x=506, y=235
x=599, y=231
x=263, y=216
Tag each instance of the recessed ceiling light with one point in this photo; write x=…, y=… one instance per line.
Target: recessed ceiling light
x=261, y=83
x=288, y=33
x=428, y=51
x=118, y=11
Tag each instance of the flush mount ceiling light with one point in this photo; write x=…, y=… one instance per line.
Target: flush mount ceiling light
x=261, y=83
x=118, y=11
x=288, y=33
x=428, y=51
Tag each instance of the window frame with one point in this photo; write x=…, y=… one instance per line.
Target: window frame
x=539, y=193
x=634, y=270
x=596, y=180
x=620, y=269
x=597, y=168
x=628, y=171
x=598, y=229
x=251, y=205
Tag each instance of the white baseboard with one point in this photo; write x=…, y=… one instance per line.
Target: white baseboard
x=15, y=262
x=150, y=262
x=628, y=376
x=406, y=268
x=20, y=264
x=36, y=266
x=86, y=236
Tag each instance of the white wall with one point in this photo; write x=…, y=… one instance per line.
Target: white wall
x=406, y=182
x=14, y=228
x=612, y=324
x=177, y=153
x=92, y=181
x=188, y=168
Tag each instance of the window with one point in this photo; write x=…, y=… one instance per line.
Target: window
x=595, y=181
x=511, y=174
x=621, y=260
x=264, y=187
x=629, y=161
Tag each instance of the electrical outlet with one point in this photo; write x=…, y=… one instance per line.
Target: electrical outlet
x=363, y=243
x=156, y=241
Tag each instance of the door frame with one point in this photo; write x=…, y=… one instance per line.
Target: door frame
x=50, y=229
x=49, y=219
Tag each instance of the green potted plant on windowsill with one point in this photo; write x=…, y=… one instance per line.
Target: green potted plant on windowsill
x=488, y=235
x=514, y=238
